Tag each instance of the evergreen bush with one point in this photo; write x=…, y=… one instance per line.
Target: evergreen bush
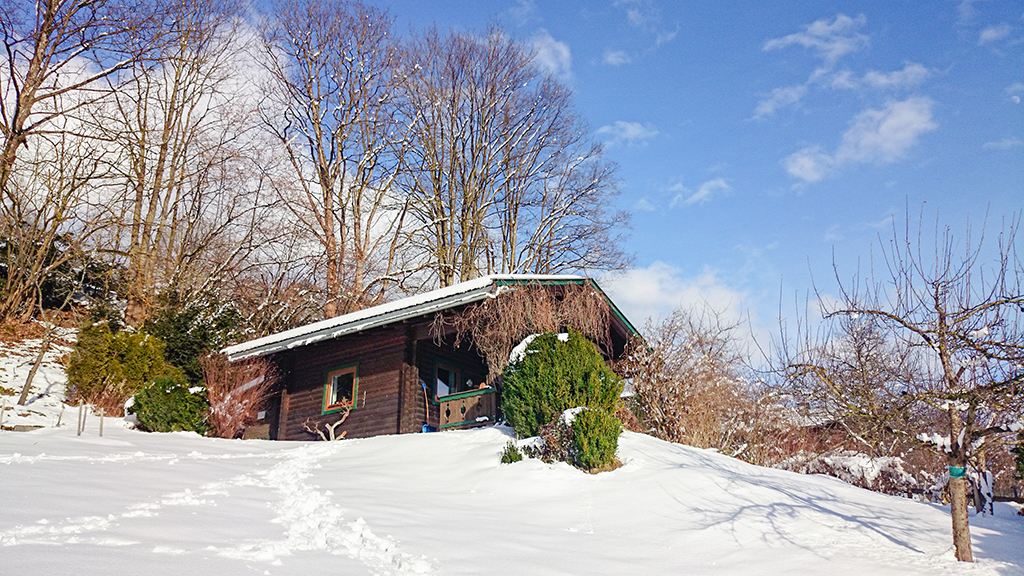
x=106, y=367
x=595, y=437
x=556, y=374
x=170, y=405
x=511, y=453
x=192, y=328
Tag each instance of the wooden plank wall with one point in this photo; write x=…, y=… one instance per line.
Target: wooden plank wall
x=379, y=353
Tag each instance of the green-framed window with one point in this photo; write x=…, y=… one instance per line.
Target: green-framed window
x=341, y=388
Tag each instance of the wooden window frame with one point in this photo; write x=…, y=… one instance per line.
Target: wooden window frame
x=451, y=367
x=353, y=369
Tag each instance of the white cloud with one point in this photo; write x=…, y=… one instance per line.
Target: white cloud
x=708, y=189
x=834, y=234
x=994, y=33
x=666, y=36
x=842, y=80
x=830, y=40
x=616, y=57
x=627, y=132
x=779, y=98
x=644, y=205
x=523, y=11
x=639, y=13
x=880, y=136
x=884, y=135
x=656, y=291
x=552, y=55
x=1004, y=144
x=910, y=76
x=965, y=11
x=810, y=164
x=645, y=16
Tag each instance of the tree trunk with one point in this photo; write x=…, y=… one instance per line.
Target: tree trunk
x=961, y=528
x=958, y=489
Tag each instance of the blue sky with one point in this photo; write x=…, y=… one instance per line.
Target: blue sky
x=757, y=139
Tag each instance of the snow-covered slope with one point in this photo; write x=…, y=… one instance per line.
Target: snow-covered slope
x=131, y=502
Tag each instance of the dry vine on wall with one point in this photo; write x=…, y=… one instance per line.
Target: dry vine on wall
x=511, y=313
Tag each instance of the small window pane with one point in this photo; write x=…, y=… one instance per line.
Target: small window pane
x=341, y=388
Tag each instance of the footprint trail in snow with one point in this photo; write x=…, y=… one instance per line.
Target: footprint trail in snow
x=311, y=520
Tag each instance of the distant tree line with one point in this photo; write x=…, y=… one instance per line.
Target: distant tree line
x=295, y=164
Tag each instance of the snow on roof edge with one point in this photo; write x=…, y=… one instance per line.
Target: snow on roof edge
x=442, y=298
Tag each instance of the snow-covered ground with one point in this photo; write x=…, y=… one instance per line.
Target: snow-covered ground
x=131, y=502
x=46, y=399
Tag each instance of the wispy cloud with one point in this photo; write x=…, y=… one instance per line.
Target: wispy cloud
x=1004, y=144
x=810, y=164
x=709, y=189
x=656, y=291
x=705, y=192
x=616, y=57
x=646, y=16
x=911, y=76
x=622, y=132
x=965, y=11
x=523, y=11
x=829, y=40
x=879, y=136
x=644, y=205
x=779, y=98
x=552, y=55
x=994, y=33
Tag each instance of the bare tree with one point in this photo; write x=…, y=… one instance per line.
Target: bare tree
x=934, y=352
x=502, y=174
x=189, y=195
x=54, y=48
x=330, y=106
x=57, y=54
x=51, y=215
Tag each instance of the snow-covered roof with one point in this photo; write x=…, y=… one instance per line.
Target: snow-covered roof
x=411, y=307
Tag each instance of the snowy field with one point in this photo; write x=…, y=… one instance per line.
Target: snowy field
x=135, y=503
x=132, y=502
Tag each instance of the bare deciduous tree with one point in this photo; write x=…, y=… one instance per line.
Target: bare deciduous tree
x=503, y=176
x=689, y=386
x=56, y=55
x=189, y=196
x=330, y=105
x=934, y=351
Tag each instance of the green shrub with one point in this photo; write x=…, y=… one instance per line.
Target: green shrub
x=170, y=405
x=595, y=437
x=106, y=368
x=191, y=329
x=511, y=453
x=553, y=376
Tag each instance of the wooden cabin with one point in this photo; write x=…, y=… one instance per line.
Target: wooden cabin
x=392, y=367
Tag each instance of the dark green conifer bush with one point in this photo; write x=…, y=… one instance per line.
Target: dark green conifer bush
x=191, y=328
x=554, y=376
x=170, y=405
x=595, y=437
x=511, y=453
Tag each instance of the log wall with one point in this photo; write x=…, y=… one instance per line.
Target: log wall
x=379, y=355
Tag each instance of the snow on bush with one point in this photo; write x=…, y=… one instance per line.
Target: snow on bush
x=881, y=474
